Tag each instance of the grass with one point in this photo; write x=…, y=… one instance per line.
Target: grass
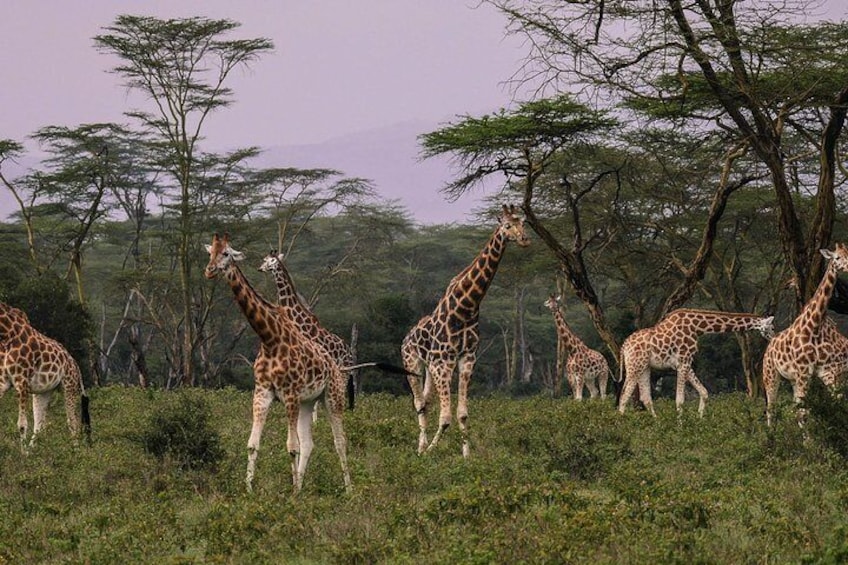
x=549, y=480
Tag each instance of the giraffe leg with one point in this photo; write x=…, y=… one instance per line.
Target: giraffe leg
x=441, y=377
x=419, y=401
x=680, y=389
x=39, y=413
x=22, y=390
x=466, y=368
x=334, y=416
x=304, y=434
x=770, y=384
x=591, y=384
x=645, y=391
x=702, y=392
x=603, y=376
x=578, y=385
x=627, y=392
x=799, y=391
x=262, y=399
x=73, y=410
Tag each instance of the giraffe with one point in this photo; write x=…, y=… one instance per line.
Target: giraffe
x=289, y=367
x=811, y=345
x=672, y=344
x=37, y=365
x=584, y=365
x=294, y=308
x=448, y=337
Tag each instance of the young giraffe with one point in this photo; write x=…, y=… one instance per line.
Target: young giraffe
x=811, y=345
x=37, y=365
x=672, y=344
x=584, y=365
x=448, y=337
x=294, y=308
x=289, y=367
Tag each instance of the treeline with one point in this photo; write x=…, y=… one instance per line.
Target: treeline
x=368, y=267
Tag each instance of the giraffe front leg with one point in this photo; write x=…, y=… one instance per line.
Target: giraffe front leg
x=466, y=369
x=305, y=442
x=592, y=384
x=441, y=375
x=262, y=399
x=578, y=383
x=645, y=391
x=22, y=390
x=702, y=392
x=39, y=413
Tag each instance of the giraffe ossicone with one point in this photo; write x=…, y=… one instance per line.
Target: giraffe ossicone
x=446, y=340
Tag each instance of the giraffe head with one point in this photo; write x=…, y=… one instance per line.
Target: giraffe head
x=512, y=226
x=272, y=261
x=221, y=256
x=553, y=302
x=838, y=258
x=765, y=326
x=12, y=321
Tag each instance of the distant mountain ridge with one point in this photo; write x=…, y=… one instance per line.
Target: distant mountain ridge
x=388, y=156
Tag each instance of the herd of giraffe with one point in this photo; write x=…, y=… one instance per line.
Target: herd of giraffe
x=300, y=363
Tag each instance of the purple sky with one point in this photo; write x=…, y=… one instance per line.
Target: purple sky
x=338, y=66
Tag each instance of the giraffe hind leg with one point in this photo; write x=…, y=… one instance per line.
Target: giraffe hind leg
x=40, y=403
x=465, y=371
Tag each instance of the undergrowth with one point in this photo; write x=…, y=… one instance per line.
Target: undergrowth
x=548, y=480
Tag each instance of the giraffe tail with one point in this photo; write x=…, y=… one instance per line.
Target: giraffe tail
x=86, y=417
x=387, y=367
x=351, y=391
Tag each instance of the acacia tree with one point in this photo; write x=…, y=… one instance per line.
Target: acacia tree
x=748, y=71
x=523, y=144
x=182, y=66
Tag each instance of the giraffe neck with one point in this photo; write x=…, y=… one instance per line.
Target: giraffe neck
x=701, y=322
x=286, y=291
x=568, y=337
x=258, y=311
x=814, y=311
x=466, y=291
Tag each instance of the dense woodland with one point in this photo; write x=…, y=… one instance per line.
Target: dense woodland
x=694, y=160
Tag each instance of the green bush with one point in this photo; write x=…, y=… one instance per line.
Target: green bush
x=827, y=412
x=179, y=429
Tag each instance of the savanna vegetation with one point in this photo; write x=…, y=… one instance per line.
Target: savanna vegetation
x=673, y=154
x=549, y=481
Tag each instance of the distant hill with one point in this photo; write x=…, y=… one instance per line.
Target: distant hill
x=388, y=156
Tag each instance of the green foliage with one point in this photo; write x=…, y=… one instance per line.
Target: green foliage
x=46, y=299
x=548, y=480
x=179, y=429
x=827, y=412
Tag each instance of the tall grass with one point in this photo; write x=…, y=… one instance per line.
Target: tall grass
x=549, y=480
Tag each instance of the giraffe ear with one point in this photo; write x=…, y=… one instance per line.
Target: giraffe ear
x=236, y=255
x=208, y=248
x=827, y=253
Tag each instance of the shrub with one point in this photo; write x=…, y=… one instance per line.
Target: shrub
x=828, y=415
x=180, y=430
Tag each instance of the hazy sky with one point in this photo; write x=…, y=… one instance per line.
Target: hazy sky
x=338, y=66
